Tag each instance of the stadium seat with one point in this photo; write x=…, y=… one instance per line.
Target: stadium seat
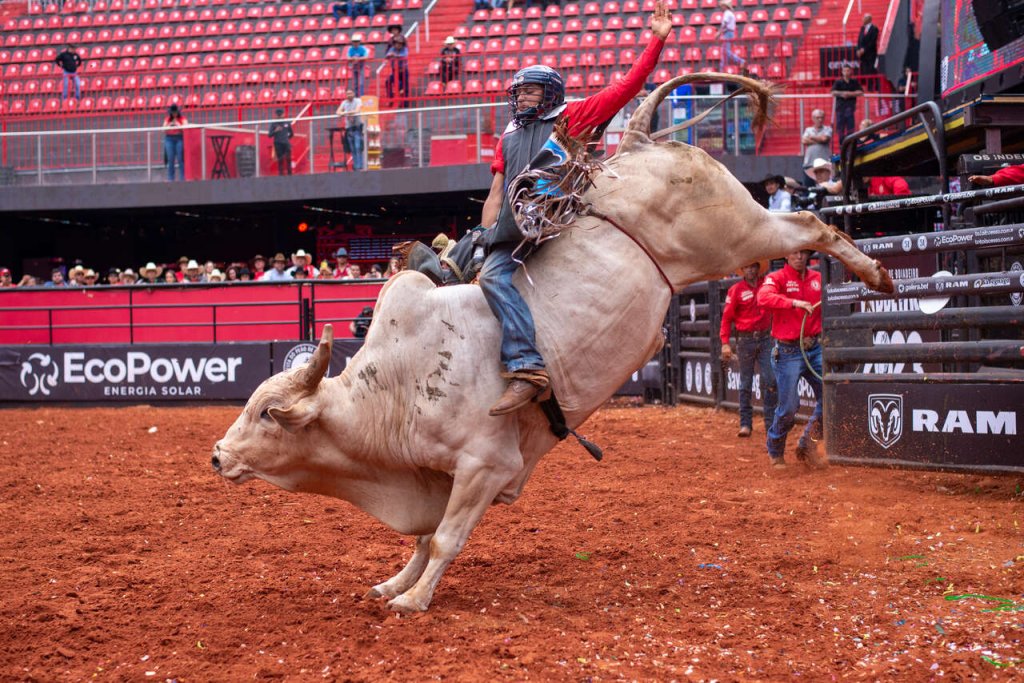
x=531, y=44
x=554, y=26
x=497, y=14
x=478, y=31
x=784, y=49
x=596, y=25
x=626, y=57
x=453, y=88
x=759, y=51
x=606, y=58
x=693, y=54
x=549, y=61
x=781, y=14
x=570, y=41
x=588, y=41
x=532, y=13
x=572, y=25
x=687, y=35
x=750, y=32
x=794, y=29
x=776, y=70
x=493, y=45
x=803, y=13
x=492, y=64
x=567, y=60
x=552, y=11
x=514, y=28
x=571, y=9
x=596, y=80
x=474, y=86
x=591, y=8
x=670, y=55
x=772, y=30
x=626, y=38
x=471, y=66
x=697, y=19
x=630, y=7
x=550, y=43
x=608, y=39
x=708, y=34
x=494, y=85
x=534, y=28
x=634, y=22
x=496, y=30
x=476, y=47
x=482, y=15
x=435, y=88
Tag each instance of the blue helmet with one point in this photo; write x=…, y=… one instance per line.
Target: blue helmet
x=554, y=92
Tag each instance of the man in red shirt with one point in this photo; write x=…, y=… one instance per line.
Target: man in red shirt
x=536, y=98
x=1011, y=175
x=885, y=186
x=791, y=294
x=753, y=343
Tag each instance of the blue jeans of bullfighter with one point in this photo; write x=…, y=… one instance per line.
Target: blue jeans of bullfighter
x=518, y=334
x=751, y=351
x=789, y=368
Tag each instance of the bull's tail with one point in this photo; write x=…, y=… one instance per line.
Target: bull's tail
x=638, y=130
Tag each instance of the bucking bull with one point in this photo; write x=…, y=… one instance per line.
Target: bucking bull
x=384, y=436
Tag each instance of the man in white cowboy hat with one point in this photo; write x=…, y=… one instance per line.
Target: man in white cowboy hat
x=193, y=273
x=128, y=277
x=150, y=273
x=821, y=171
x=753, y=343
x=357, y=54
x=277, y=272
x=450, y=60
x=301, y=261
x=216, y=276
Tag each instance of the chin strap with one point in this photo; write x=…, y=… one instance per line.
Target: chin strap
x=556, y=420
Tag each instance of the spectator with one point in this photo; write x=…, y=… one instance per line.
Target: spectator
x=880, y=186
x=753, y=342
x=69, y=61
x=398, y=61
x=194, y=273
x=867, y=47
x=339, y=9
x=28, y=281
x=90, y=277
x=300, y=274
x=215, y=276
x=174, y=142
x=5, y=278
x=128, y=277
x=451, y=60
x=56, y=279
x=872, y=137
x=1011, y=175
x=343, y=269
x=537, y=100
x=392, y=268
x=793, y=294
x=170, y=277
x=821, y=171
x=324, y=272
x=281, y=133
x=846, y=90
x=347, y=110
x=259, y=264
x=277, y=272
x=76, y=276
x=394, y=30
x=361, y=325
x=301, y=261
x=182, y=263
x=244, y=274
x=727, y=34
x=150, y=273
x=375, y=273
x=231, y=273
x=113, y=276
x=778, y=198
x=357, y=54
x=208, y=268
x=355, y=272
x=817, y=140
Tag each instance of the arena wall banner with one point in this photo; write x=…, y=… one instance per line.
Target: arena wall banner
x=150, y=373
x=288, y=355
x=968, y=426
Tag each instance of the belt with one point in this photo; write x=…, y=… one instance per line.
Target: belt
x=752, y=333
x=808, y=342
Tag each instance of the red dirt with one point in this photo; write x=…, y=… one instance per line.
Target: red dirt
x=681, y=556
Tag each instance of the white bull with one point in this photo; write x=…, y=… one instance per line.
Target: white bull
x=403, y=433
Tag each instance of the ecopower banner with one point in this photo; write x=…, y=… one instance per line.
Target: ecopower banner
x=150, y=372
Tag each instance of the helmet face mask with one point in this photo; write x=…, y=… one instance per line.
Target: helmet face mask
x=553, y=92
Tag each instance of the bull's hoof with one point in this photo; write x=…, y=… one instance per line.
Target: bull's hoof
x=406, y=605
x=373, y=594
x=381, y=590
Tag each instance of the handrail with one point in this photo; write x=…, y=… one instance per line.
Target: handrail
x=426, y=18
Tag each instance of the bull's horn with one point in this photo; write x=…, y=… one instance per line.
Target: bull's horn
x=638, y=130
x=316, y=368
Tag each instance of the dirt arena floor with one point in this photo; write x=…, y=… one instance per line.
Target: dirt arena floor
x=681, y=557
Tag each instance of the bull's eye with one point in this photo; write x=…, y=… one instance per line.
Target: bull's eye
x=265, y=415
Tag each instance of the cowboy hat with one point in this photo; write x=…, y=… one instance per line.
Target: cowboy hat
x=771, y=178
x=279, y=257
x=150, y=267
x=762, y=267
x=342, y=252
x=192, y=265
x=357, y=37
x=301, y=253
x=821, y=163
x=216, y=276
x=450, y=40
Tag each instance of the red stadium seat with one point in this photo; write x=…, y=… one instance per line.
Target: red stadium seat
x=803, y=13
x=549, y=61
x=493, y=45
x=435, y=88
x=596, y=80
x=453, y=88
x=554, y=26
x=567, y=60
x=481, y=15
x=708, y=34
x=550, y=43
x=474, y=86
x=591, y=8
x=781, y=14
x=570, y=41
x=596, y=25
x=552, y=11
x=687, y=35
x=534, y=28
x=634, y=22
x=492, y=64
x=626, y=57
x=697, y=19
x=794, y=29
x=607, y=58
x=471, y=66
x=510, y=63
x=772, y=31
x=494, y=85
x=670, y=55
x=626, y=38
x=532, y=13
x=496, y=30
x=514, y=28
x=750, y=32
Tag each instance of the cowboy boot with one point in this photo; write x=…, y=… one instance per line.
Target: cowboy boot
x=523, y=387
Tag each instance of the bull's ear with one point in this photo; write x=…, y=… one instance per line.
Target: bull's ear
x=296, y=416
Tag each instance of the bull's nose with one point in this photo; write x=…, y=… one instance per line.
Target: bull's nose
x=215, y=461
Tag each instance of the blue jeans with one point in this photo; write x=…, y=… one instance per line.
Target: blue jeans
x=518, y=335
x=354, y=138
x=757, y=350
x=358, y=79
x=174, y=150
x=78, y=85
x=728, y=56
x=789, y=368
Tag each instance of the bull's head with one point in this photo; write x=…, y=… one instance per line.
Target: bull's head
x=260, y=443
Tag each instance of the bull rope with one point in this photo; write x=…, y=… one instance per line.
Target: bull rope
x=803, y=352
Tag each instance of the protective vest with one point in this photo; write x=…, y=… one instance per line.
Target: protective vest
x=518, y=147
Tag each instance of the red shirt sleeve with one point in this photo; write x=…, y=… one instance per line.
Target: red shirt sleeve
x=498, y=165
x=603, y=105
x=768, y=295
x=1011, y=175
x=728, y=313
x=899, y=186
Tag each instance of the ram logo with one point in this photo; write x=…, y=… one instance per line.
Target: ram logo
x=885, y=418
x=39, y=374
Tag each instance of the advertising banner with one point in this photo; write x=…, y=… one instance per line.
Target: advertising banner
x=970, y=426
x=146, y=373
x=833, y=58
x=288, y=355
